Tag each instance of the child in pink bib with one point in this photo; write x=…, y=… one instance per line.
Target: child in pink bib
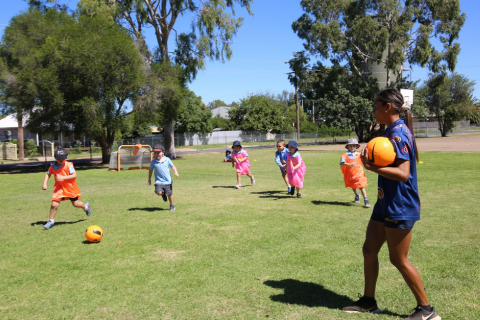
x=295, y=168
x=240, y=161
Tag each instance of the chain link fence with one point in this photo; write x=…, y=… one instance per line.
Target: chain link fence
x=425, y=129
x=219, y=141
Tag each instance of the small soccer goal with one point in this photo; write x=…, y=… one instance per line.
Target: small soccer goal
x=134, y=157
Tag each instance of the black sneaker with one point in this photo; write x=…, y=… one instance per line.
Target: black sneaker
x=419, y=313
x=292, y=191
x=299, y=195
x=164, y=197
x=363, y=305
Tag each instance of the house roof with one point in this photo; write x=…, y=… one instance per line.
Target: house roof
x=10, y=121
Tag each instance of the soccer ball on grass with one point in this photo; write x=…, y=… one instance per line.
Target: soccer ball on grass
x=94, y=233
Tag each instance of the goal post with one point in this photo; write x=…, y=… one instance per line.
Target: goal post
x=131, y=157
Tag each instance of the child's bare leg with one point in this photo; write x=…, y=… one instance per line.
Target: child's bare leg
x=285, y=178
x=239, y=178
x=354, y=191
x=250, y=175
x=53, y=209
x=170, y=198
x=364, y=192
x=298, y=190
x=78, y=204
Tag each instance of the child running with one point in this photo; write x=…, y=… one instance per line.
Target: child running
x=163, y=179
x=228, y=156
x=240, y=161
x=353, y=171
x=65, y=187
x=396, y=210
x=281, y=160
x=295, y=168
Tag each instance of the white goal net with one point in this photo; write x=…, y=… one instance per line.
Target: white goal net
x=131, y=157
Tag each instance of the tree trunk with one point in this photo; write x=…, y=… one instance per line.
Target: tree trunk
x=169, y=140
x=21, y=153
x=106, y=142
x=106, y=153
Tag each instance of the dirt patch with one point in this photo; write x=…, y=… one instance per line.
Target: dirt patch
x=452, y=143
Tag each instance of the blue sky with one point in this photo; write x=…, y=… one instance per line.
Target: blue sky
x=266, y=41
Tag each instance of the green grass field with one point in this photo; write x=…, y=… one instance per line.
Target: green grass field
x=253, y=253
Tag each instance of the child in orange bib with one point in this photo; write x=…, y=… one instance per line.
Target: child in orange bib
x=65, y=187
x=352, y=170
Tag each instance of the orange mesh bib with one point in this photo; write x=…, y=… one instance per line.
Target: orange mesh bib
x=354, y=176
x=67, y=188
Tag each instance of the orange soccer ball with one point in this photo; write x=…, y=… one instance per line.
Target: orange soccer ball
x=381, y=152
x=94, y=233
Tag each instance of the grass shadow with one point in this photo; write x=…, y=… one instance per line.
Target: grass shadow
x=333, y=203
x=150, y=209
x=88, y=242
x=277, y=195
x=56, y=223
x=311, y=295
x=230, y=187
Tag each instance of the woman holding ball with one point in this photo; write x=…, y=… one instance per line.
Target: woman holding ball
x=396, y=210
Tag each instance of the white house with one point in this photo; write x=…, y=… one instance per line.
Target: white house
x=222, y=111
x=9, y=129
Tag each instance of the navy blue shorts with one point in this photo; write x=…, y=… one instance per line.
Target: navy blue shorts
x=394, y=224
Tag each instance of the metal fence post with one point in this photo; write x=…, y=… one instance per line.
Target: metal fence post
x=251, y=140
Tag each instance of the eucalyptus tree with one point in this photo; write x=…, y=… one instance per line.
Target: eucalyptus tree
x=213, y=26
x=391, y=32
x=447, y=98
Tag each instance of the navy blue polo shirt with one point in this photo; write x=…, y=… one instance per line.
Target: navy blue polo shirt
x=399, y=200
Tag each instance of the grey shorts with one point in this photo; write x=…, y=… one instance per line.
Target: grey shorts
x=165, y=188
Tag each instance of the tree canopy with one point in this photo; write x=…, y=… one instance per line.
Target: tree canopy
x=447, y=99
x=215, y=104
x=210, y=36
x=194, y=116
x=81, y=72
x=257, y=113
x=391, y=32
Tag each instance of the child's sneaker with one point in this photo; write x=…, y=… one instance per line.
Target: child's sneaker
x=357, y=198
x=419, y=313
x=363, y=304
x=292, y=191
x=238, y=186
x=289, y=190
x=367, y=204
x=253, y=180
x=172, y=208
x=48, y=225
x=299, y=195
x=88, y=209
x=164, y=197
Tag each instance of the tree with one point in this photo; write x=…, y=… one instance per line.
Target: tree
x=290, y=117
x=391, y=32
x=222, y=123
x=215, y=104
x=22, y=40
x=448, y=99
x=81, y=72
x=256, y=113
x=211, y=33
x=194, y=117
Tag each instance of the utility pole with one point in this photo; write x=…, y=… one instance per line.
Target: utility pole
x=298, y=107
